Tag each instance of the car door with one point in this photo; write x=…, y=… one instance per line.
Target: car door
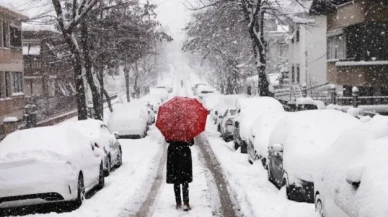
x=92, y=158
x=111, y=140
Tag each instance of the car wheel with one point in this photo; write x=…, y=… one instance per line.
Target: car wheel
x=108, y=166
x=101, y=178
x=236, y=145
x=244, y=148
x=218, y=128
x=289, y=192
x=120, y=159
x=319, y=208
x=80, y=190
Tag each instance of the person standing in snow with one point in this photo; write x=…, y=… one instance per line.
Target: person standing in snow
x=180, y=171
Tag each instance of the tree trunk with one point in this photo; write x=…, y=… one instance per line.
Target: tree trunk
x=79, y=82
x=107, y=99
x=97, y=103
x=126, y=76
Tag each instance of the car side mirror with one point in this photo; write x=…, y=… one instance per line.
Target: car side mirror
x=354, y=175
x=116, y=134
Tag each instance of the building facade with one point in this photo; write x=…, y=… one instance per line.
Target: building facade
x=307, y=50
x=49, y=81
x=357, y=42
x=11, y=66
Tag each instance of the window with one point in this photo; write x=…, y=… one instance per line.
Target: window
x=16, y=37
x=336, y=47
x=297, y=34
x=249, y=90
x=17, y=82
x=5, y=34
x=298, y=73
x=2, y=85
x=293, y=74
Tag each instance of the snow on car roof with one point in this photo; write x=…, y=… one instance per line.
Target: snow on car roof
x=90, y=128
x=57, y=139
x=359, y=153
x=307, y=134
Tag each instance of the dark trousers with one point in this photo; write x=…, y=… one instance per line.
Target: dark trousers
x=185, y=191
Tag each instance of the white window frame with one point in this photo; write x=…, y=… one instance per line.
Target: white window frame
x=336, y=47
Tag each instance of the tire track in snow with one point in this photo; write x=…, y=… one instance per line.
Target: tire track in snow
x=147, y=207
x=229, y=206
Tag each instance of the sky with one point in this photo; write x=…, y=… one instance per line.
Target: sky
x=173, y=15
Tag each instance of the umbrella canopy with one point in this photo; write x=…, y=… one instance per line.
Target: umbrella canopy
x=181, y=119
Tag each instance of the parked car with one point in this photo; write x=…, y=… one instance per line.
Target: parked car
x=210, y=100
x=261, y=132
x=166, y=87
x=225, y=102
x=196, y=86
x=47, y=165
x=203, y=91
x=129, y=121
x=296, y=142
x=161, y=93
x=352, y=177
x=248, y=110
x=99, y=135
x=226, y=126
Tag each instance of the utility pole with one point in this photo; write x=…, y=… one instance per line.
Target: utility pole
x=306, y=67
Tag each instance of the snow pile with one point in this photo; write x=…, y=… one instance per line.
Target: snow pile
x=360, y=155
x=10, y=119
x=305, y=135
x=354, y=111
x=251, y=108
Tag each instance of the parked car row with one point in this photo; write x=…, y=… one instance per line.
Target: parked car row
x=70, y=160
x=320, y=156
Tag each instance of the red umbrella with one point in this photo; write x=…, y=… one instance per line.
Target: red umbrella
x=181, y=119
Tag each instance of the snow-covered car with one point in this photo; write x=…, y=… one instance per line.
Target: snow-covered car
x=261, y=132
x=99, y=135
x=166, y=87
x=248, y=110
x=129, y=121
x=307, y=103
x=352, y=177
x=47, y=165
x=161, y=93
x=210, y=101
x=195, y=87
x=226, y=126
x=203, y=91
x=225, y=102
x=296, y=142
x=152, y=102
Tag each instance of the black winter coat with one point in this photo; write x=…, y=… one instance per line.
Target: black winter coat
x=179, y=162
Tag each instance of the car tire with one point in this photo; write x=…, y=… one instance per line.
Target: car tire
x=218, y=128
x=319, y=208
x=120, y=159
x=101, y=178
x=80, y=191
x=236, y=145
x=108, y=166
x=244, y=148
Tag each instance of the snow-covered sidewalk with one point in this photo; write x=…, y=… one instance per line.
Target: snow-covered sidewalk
x=256, y=196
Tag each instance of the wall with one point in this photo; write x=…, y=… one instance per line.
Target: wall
x=312, y=40
x=345, y=16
